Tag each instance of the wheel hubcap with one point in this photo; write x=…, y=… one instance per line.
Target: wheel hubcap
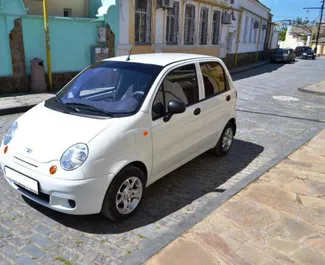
x=227, y=139
x=129, y=195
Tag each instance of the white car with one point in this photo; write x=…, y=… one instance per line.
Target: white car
x=116, y=128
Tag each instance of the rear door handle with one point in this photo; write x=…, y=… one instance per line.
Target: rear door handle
x=197, y=111
x=228, y=97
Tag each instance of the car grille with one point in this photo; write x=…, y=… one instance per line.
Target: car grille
x=24, y=161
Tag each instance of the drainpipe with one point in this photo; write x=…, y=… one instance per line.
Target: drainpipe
x=238, y=34
x=47, y=41
x=259, y=39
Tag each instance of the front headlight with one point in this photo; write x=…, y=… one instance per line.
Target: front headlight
x=74, y=157
x=10, y=134
x=304, y=54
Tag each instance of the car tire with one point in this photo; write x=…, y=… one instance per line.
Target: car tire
x=220, y=150
x=117, y=190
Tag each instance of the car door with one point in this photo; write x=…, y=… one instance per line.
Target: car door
x=178, y=139
x=217, y=104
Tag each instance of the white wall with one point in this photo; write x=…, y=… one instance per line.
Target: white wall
x=124, y=22
x=55, y=7
x=245, y=45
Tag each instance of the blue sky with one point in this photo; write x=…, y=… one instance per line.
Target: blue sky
x=290, y=9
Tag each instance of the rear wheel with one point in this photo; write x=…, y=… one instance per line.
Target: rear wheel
x=124, y=195
x=225, y=142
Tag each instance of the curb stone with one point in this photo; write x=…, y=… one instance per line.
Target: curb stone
x=311, y=92
x=15, y=110
x=152, y=247
x=235, y=71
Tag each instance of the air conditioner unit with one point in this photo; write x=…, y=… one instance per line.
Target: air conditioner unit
x=226, y=18
x=165, y=4
x=256, y=25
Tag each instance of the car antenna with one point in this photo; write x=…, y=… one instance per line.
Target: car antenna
x=128, y=59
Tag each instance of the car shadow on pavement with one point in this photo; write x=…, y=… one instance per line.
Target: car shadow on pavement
x=171, y=193
x=267, y=68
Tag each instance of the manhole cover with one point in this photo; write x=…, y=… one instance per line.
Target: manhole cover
x=286, y=98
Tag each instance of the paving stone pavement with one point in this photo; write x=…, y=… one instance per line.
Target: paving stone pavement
x=267, y=127
x=278, y=219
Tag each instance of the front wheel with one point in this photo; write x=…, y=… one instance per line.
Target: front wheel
x=124, y=195
x=225, y=141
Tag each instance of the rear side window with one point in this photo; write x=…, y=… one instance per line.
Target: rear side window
x=179, y=84
x=214, y=78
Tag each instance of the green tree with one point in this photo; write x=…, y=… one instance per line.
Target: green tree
x=282, y=33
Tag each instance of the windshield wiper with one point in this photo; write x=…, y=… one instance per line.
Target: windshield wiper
x=67, y=106
x=88, y=107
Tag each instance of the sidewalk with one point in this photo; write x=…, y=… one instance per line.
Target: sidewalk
x=21, y=103
x=318, y=89
x=278, y=219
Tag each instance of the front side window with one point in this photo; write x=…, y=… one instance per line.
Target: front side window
x=172, y=24
x=143, y=21
x=216, y=26
x=189, y=24
x=180, y=84
x=108, y=87
x=214, y=78
x=204, y=20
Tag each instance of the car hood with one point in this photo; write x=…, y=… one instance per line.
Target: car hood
x=47, y=134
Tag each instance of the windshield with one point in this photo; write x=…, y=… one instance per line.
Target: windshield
x=282, y=51
x=110, y=87
x=305, y=49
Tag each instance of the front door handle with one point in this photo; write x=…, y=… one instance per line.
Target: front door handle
x=228, y=98
x=197, y=111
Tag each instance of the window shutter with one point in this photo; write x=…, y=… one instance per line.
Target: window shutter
x=192, y=31
x=148, y=22
x=176, y=24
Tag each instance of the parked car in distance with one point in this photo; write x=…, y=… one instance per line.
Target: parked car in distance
x=283, y=55
x=305, y=52
x=116, y=128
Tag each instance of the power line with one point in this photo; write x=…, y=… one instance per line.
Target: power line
x=320, y=22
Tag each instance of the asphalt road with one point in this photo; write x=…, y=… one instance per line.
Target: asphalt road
x=272, y=117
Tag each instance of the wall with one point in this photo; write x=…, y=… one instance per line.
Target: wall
x=5, y=56
x=55, y=7
x=127, y=31
x=70, y=48
x=245, y=44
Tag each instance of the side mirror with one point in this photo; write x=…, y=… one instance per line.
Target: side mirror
x=174, y=107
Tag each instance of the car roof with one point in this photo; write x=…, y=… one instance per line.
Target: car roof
x=161, y=59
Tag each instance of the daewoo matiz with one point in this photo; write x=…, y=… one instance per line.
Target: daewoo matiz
x=117, y=127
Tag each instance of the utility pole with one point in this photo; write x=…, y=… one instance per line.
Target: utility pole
x=47, y=42
x=320, y=22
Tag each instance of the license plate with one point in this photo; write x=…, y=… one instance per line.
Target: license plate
x=22, y=181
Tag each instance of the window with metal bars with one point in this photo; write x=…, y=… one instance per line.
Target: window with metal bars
x=172, y=24
x=216, y=26
x=246, y=28
x=189, y=24
x=204, y=20
x=143, y=21
x=251, y=30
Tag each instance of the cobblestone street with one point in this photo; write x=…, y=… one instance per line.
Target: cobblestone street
x=272, y=117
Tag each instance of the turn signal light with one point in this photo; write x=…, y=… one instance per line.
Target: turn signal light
x=5, y=150
x=53, y=170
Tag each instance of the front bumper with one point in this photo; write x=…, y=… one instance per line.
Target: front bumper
x=78, y=197
x=307, y=56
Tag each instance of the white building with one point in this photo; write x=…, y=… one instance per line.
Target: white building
x=196, y=26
